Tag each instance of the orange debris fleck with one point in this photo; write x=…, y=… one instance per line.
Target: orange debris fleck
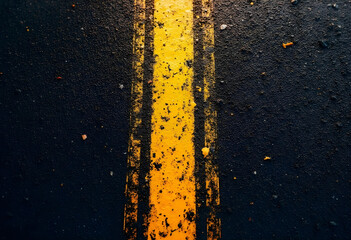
x=73, y=5
x=84, y=136
x=61, y=184
x=234, y=178
x=205, y=151
x=58, y=78
x=287, y=44
x=267, y=158
x=251, y=203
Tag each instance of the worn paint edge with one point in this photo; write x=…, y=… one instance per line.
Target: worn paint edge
x=134, y=144
x=198, y=86
x=210, y=125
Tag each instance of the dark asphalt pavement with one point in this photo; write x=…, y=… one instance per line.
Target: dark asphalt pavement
x=66, y=71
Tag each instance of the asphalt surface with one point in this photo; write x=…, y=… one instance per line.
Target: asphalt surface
x=66, y=71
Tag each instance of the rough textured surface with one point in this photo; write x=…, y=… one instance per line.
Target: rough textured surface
x=298, y=113
x=42, y=118
x=55, y=185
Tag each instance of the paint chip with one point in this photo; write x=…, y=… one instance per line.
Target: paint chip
x=84, y=137
x=267, y=158
x=205, y=151
x=287, y=44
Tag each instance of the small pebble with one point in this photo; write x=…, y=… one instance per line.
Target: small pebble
x=338, y=124
x=323, y=44
x=223, y=26
x=333, y=223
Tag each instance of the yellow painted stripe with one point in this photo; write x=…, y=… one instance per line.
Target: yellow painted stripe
x=172, y=181
x=134, y=145
x=211, y=168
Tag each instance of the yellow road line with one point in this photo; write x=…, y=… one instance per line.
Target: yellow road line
x=211, y=168
x=134, y=145
x=172, y=181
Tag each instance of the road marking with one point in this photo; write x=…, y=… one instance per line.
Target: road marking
x=134, y=145
x=211, y=168
x=172, y=198
x=172, y=181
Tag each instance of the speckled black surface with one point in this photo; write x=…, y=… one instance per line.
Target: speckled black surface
x=298, y=113
x=43, y=118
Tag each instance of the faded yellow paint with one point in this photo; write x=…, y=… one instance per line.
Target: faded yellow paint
x=172, y=181
x=211, y=168
x=134, y=145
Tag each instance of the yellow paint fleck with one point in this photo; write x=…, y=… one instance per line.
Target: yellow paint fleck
x=266, y=158
x=205, y=151
x=251, y=3
x=172, y=182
